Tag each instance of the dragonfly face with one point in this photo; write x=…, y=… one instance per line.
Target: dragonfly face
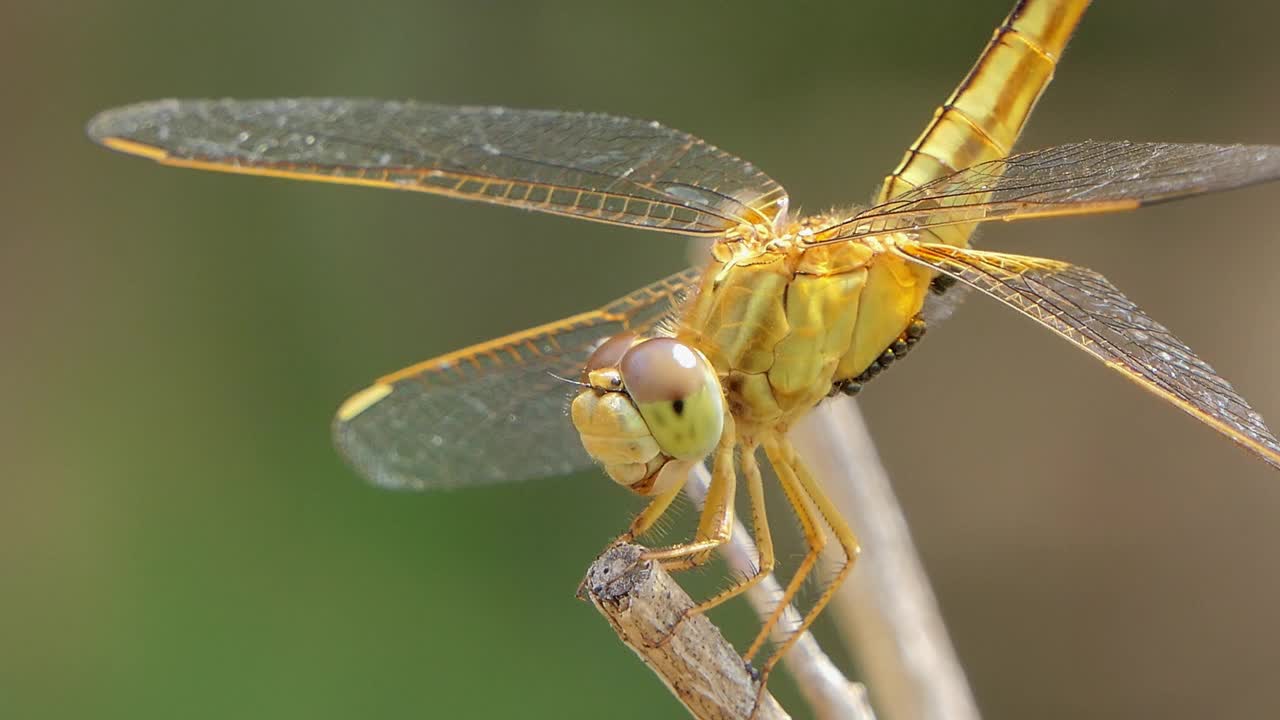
x=652, y=408
x=785, y=313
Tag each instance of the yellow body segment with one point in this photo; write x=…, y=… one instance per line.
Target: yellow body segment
x=894, y=295
x=985, y=114
x=821, y=311
x=782, y=323
x=737, y=319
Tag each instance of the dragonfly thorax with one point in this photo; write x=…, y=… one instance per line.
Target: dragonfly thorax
x=784, y=323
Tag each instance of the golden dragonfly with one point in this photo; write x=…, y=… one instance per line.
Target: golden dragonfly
x=721, y=360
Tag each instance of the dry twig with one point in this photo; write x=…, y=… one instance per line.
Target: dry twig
x=700, y=667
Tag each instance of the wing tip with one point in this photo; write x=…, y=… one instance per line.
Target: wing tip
x=361, y=452
x=360, y=402
x=123, y=120
x=352, y=446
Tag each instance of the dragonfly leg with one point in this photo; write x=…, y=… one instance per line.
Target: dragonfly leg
x=792, y=465
x=814, y=536
x=716, y=523
x=714, y=527
x=650, y=515
x=763, y=537
x=764, y=541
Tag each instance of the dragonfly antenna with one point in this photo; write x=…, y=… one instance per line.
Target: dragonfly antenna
x=579, y=383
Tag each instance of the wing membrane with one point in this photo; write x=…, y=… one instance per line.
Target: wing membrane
x=492, y=412
x=1086, y=309
x=1082, y=178
x=591, y=166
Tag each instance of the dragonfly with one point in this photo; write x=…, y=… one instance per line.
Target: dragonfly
x=719, y=361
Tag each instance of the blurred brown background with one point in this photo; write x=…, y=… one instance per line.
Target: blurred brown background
x=178, y=539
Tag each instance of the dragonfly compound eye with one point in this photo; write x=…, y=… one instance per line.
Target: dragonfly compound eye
x=677, y=394
x=609, y=353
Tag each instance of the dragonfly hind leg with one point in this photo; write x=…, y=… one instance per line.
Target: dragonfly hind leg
x=810, y=502
x=814, y=535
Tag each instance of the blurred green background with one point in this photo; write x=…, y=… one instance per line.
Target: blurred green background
x=178, y=539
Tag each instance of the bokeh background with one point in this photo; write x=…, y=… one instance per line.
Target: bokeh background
x=178, y=539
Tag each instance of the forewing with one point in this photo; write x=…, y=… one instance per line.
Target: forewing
x=1086, y=309
x=494, y=412
x=592, y=166
x=1082, y=178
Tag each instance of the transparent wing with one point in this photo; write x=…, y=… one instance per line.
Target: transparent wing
x=1086, y=309
x=494, y=412
x=1083, y=178
x=597, y=167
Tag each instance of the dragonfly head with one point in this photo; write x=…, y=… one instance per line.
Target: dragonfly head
x=653, y=408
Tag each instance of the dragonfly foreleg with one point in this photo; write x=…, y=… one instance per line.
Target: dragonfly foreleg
x=763, y=537
x=716, y=523
x=650, y=515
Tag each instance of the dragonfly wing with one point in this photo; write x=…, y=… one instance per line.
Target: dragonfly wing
x=1091, y=313
x=494, y=412
x=1082, y=178
x=592, y=166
